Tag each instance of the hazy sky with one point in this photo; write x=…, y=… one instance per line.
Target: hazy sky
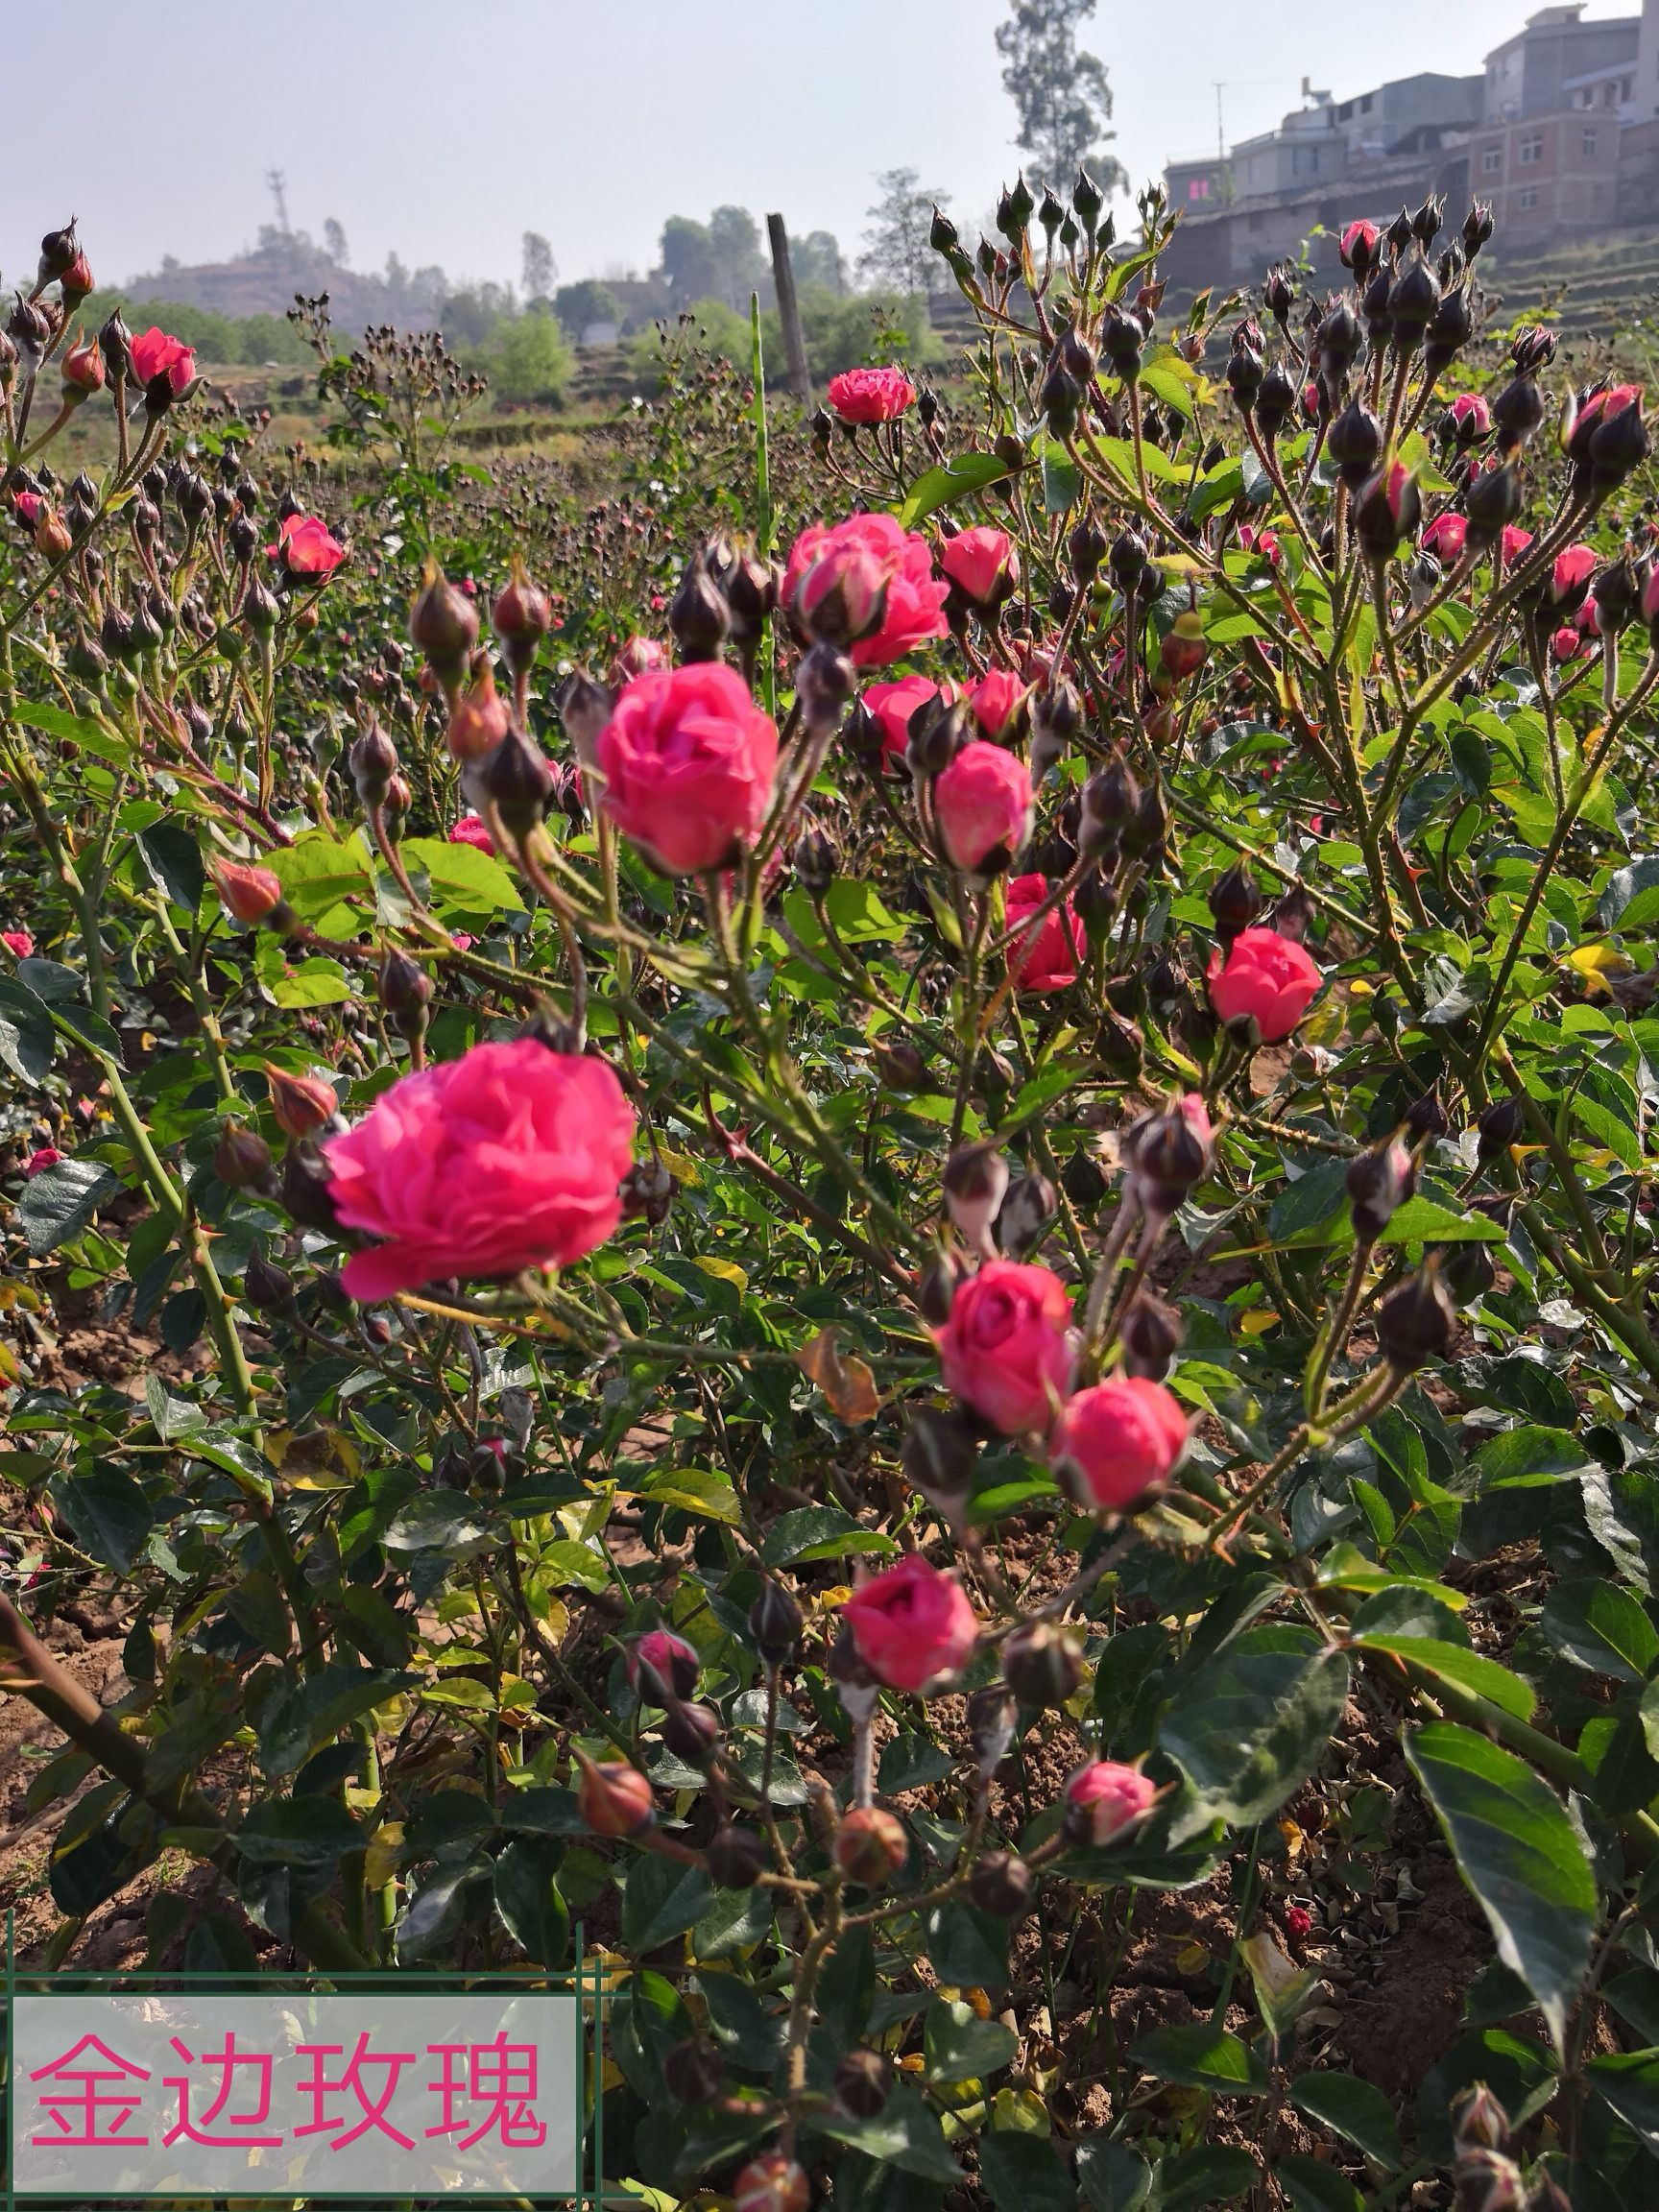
x=444, y=128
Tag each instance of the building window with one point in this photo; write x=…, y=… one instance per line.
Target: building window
x=1526, y=197
x=1530, y=149
x=1589, y=140
x=1365, y=105
x=1197, y=188
x=1492, y=161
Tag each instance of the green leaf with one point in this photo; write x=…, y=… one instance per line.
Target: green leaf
x=298, y=1831
x=749, y=2034
x=910, y=1762
x=173, y=859
x=1024, y=2173
x=27, y=1037
x=696, y=1490
x=819, y=1532
x=1468, y=1670
x=319, y=872
x=1600, y=1626
x=905, y=2134
x=1212, y=2174
x=318, y=982
x=1062, y=479
x=1114, y=2177
x=958, y=2046
x=968, y=1949
x=466, y=885
x=956, y=479
x=1314, y=2187
x=1248, y=1725
x=662, y=1899
x=1422, y=1221
x=527, y=1898
x=1520, y=1855
x=59, y=722
x=1202, y=2056
x=1628, y=2082
x=59, y=1202
x=108, y=1513
x=1356, y=2110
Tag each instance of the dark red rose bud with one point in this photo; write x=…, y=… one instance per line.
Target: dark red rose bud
x=306, y=1191
x=662, y=1666
x=519, y=781
x=936, y=1286
x=862, y=2083
x=1029, y=1206
x=1275, y=403
x=736, y=1858
x=1042, y=1664
x=1485, y=2180
x=1427, y=1117
x=940, y=1453
x=1353, y=442
x=699, y=617
x=691, y=1732
x=776, y=1623
x=1499, y=1126
x=1478, y=228
x=1001, y=1885
x=1337, y=342
x=1387, y=509
x=1413, y=303
x=1415, y=1324
x=992, y=1715
x=1235, y=902
x=1379, y=1181
x=1151, y=1334
x=1492, y=500
x=242, y=1160
x=522, y=616
x=373, y=763
x=1517, y=412
x=444, y=622
x=266, y=1287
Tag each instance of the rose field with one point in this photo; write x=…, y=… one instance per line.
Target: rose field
x=863, y=1198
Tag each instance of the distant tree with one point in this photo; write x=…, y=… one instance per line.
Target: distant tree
x=540, y=271
x=534, y=360
x=735, y=246
x=895, y=252
x=817, y=261
x=334, y=243
x=577, y=305
x=1060, y=94
x=469, y=315
x=687, y=260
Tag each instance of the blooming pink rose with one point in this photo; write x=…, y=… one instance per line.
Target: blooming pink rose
x=1444, y=538
x=1265, y=978
x=688, y=760
x=849, y=557
x=469, y=830
x=1116, y=1441
x=505, y=1158
x=1104, y=1801
x=1570, y=577
x=911, y=1625
x=1472, y=415
x=18, y=943
x=1050, y=959
x=997, y=700
x=37, y=1162
x=156, y=354
x=982, y=565
x=870, y=395
x=1513, y=543
x=893, y=704
x=1006, y=1350
x=305, y=547
x=983, y=802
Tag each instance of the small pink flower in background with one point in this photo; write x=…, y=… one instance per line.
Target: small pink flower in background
x=1050, y=958
x=687, y=760
x=913, y=609
x=637, y=655
x=1311, y=400
x=461, y=941
x=469, y=830
x=306, y=547
x=996, y=701
x=1472, y=416
x=1116, y=1442
x=1265, y=978
x=1104, y=1799
x=18, y=943
x=983, y=802
x=982, y=565
x=1263, y=543
x=156, y=354
x=872, y=395
x=1007, y=1349
x=893, y=705
x=911, y=1625
x=1298, y=1923
x=509, y=1158
x=1567, y=643
x=1444, y=538
x=37, y=1162
x=1513, y=543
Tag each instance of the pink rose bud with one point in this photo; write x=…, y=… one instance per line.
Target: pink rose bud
x=508, y=1158
x=912, y=1627
x=306, y=547
x=77, y=282
x=1118, y=1443
x=21, y=946
x=914, y=606
x=469, y=830
x=1512, y=544
x=1268, y=982
x=1565, y=643
x=478, y=720
x=637, y=657
x=982, y=563
x=613, y=1797
x=870, y=395
x=983, y=803
x=772, y=2183
x=891, y=707
x=83, y=371
x=1048, y=958
x=1298, y=1923
x=250, y=895
x=1570, y=577
x=1104, y=1801
x=1186, y=648
x=1470, y=416
x=1008, y=1348
x=998, y=703
x=301, y=1104
x=1357, y=248
x=975, y=1180
x=662, y=1666
x=1444, y=538
x=687, y=760
x=37, y=1162
x=871, y=1846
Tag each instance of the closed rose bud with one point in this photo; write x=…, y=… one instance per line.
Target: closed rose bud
x=698, y=614
x=992, y=1716
x=1387, y=509
x=1042, y=1664
x=975, y=1183
x=265, y=1287
x=1104, y=1801
x=444, y=622
x=1169, y=1152
x=1485, y=2180
x=83, y=371
x=1415, y=1323
x=736, y=1858
x=1479, y=2119
x=662, y=1666
x=305, y=1188
x=1235, y=902
x=939, y=1454
x=478, y=720
x=862, y=2081
x=404, y=990
x=517, y=780
x=1354, y=443
x=1357, y=248
x=776, y=1623
x=1378, y=1182
x=1413, y=303
x=241, y=1157
x=521, y=617
x=251, y=894
x=1025, y=1212
x=901, y=1065
x=300, y=1105
x=613, y=1797
x=1427, y=1117
x=1184, y=649
x=1499, y=1126
x=871, y=1846
x=1001, y=1885
x=1150, y=1334
x=936, y=1286
x=694, y=2070
x=984, y=565
x=373, y=763
x=772, y=2183
x=691, y=1732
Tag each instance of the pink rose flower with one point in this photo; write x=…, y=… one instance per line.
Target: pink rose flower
x=37, y=1162
x=982, y=565
x=1472, y=416
x=1567, y=643
x=469, y=830
x=849, y=559
x=1050, y=959
x=505, y=1158
x=893, y=705
x=306, y=547
x=870, y=395
x=1265, y=978
x=1263, y=543
x=28, y=507
x=996, y=701
x=156, y=354
x=661, y=1665
x=688, y=760
x=1116, y=1441
x=1006, y=1350
x=18, y=943
x=1570, y=577
x=1444, y=538
x=1104, y=1801
x=983, y=802
x=1513, y=543
x=912, y=1625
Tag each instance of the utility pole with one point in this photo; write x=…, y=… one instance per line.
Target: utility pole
x=788, y=309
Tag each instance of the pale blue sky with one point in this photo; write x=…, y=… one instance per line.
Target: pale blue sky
x=445, y=128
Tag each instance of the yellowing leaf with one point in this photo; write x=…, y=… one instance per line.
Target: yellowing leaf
x=1258, y=1321
x=846, y=1383
x=1192, y=1958
x=1596, y=964
x=724, y=1271
x=380, y=1860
